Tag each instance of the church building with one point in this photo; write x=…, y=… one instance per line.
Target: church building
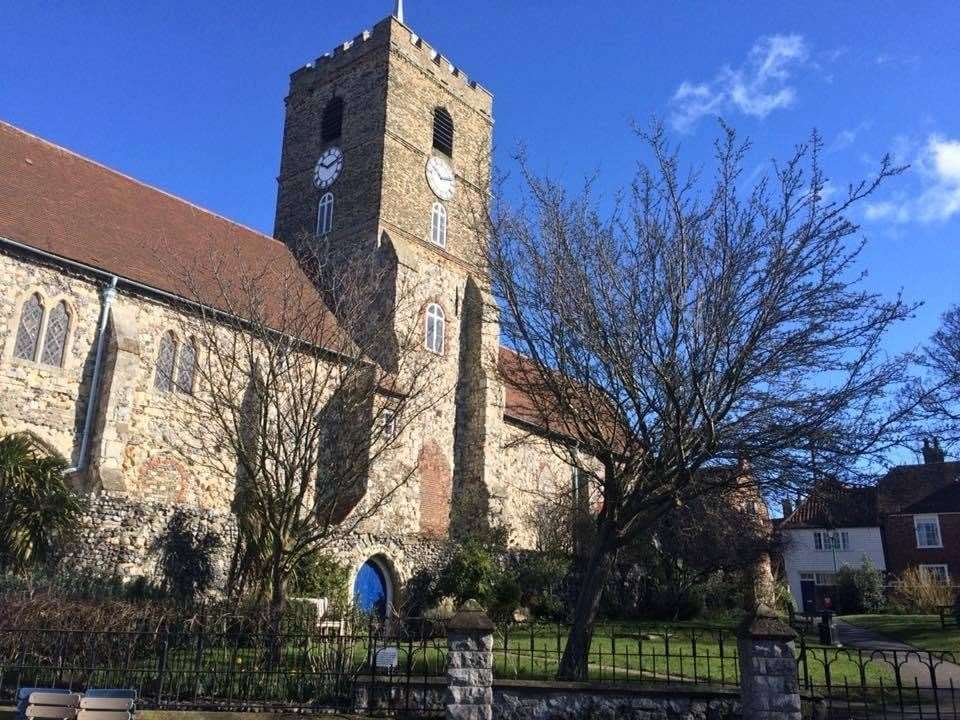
x=386, y=150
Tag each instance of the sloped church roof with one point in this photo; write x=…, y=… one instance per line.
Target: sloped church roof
x=61, y=203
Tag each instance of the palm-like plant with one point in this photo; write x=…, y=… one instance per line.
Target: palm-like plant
x=36, y=507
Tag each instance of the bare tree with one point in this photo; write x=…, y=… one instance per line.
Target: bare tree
x=697, y=323
x=285, y=405
x=940, y=390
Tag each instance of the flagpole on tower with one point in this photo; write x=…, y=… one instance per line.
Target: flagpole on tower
x=398, y=10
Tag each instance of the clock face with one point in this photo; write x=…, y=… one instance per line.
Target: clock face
x=440, y=178
x=328, y=168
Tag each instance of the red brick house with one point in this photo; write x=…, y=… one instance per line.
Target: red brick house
x=919, y=509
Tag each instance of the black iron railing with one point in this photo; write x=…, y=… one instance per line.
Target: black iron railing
x=882, y=682
x=198, y=667
x=623, y=653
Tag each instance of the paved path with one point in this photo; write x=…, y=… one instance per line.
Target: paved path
x=914, y=664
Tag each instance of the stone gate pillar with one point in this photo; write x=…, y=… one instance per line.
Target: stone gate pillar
x=470, y=664
x=769, y=686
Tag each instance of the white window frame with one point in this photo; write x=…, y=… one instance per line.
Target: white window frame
x=819, y=579
x=438, y=225
x=824, y=541
x=919, y=520
x=435, y=327
x=325, y=214
x=946, y=570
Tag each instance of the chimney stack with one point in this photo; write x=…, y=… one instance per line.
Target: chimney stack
x=787, y=508
x=932, y=452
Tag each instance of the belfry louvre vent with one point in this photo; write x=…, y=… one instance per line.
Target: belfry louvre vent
x=332, y=123
x=443, y=132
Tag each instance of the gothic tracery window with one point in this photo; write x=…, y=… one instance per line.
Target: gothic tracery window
x=55, y=337
x=28, y=332
x=325, y=214
x=438, y=225
x=166, y=358
x=186, y=367
x=435, y=323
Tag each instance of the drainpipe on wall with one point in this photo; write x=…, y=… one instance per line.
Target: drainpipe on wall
x=108, y=293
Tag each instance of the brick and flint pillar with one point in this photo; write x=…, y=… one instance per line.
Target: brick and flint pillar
x=769, y=686
x=470, y=664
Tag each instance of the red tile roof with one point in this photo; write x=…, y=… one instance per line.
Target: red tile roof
x=906, y=485
x=59, y=202
x=832, y=504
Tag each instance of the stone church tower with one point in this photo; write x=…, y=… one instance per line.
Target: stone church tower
x=386, y=154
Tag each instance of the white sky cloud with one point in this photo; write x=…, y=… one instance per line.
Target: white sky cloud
x=756, y=88
x=938, y=196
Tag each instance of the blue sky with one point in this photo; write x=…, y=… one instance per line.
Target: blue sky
x=188, y=96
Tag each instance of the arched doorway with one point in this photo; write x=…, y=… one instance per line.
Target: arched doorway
x=373, y=588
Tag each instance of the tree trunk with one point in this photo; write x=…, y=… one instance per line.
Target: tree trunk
x=597, y=567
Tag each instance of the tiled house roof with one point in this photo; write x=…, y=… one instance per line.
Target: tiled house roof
x=832, y=504
x=944, y=500
x=905, y=485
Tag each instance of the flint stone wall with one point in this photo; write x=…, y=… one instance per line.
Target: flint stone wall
x=531, y=700
x=119, y=536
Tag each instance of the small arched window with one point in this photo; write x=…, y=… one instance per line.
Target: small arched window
x=55, y=338
x=438, y=225
x=166, y=359
x=28, y=332
x=186, y=367
x=443, y=131
x=435, y=328
x=332, y=123
x=325, y=214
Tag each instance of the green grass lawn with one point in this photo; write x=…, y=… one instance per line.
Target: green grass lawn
x=921, y=631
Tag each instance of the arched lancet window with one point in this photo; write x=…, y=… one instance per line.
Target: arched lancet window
x=443, y=131
x=325, y=214
x=55, y=338
x=438, y=225
x=332, y=123
x=166, y=359
x=186, y=367
x=435, y=328
x=28, y=333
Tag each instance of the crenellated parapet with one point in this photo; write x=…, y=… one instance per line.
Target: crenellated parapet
x=389, y=30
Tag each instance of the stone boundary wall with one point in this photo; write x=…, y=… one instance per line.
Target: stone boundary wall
x=533, y=700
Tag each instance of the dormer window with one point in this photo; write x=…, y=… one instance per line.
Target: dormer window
x=332, y=123
x=443, y=131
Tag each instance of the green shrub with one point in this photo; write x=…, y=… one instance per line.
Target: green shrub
x=37, y=509
x=318, y=575
x=859, y=590
x=542, y=578
x=471, y=573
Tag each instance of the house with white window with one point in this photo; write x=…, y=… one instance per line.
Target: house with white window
x=920, y=515
x=836, y=525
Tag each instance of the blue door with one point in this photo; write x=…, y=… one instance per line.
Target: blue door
x=370, y=589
